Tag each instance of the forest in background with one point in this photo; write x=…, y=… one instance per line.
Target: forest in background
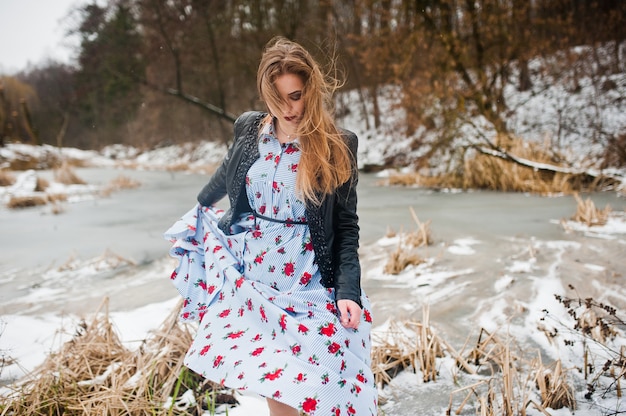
x=155, y=72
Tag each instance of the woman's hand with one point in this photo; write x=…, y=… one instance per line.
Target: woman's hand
x=350, y=313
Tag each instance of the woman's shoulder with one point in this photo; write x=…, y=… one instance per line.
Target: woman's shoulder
x=245, y=120
x=349, y=136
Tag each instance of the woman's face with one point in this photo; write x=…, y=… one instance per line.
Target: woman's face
x=290, y=89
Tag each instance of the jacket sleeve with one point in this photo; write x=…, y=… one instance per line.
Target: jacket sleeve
x=216, y=189
x=347, y=269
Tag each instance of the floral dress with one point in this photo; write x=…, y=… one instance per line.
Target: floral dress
x=266, y=323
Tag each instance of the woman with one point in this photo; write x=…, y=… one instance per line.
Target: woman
x=275, y=280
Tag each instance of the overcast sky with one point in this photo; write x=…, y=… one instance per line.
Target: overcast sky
x=32, y=31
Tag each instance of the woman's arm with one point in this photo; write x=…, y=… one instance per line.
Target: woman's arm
x=347, y=270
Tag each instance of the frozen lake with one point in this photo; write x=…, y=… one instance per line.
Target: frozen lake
x=494, y=255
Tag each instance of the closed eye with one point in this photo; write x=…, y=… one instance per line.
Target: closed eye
x=295, y=96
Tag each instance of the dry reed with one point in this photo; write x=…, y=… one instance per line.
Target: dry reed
x=94, y=373
x=119, y=183
x=406, y=345
x=65, y=175
x=403, y=256
x=587, y=213
x=6, y=178
x=553, y=386
x=484, y=171
x=16, y=202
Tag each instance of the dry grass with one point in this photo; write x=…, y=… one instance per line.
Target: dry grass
x=481, y=171
x=95, y=374
x=404, y=256
x=65, y=175
x=406, y=345
x=119, y=183
x=553, y=386
x=17, y=202
x=6, y=178
x=587, y=213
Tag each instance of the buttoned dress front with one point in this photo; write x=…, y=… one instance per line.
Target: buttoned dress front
x=266, y=323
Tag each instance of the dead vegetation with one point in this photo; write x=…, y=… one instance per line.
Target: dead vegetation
x=404, y=255
x=588, y=214
x=95, y=374
x=517, y=173
x=6, y=178
x=406, y=345
x=119, y=183
x=66, y=175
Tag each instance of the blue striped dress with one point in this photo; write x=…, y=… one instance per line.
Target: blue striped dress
x=266, y=323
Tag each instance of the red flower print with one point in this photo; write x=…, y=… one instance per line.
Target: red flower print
x=256, y=352
x=237, y=363
x=259, y=258
x=309, y=405
x=241, y=376
x=325, y=378
x=239, y=282
x=249, y=304
x=291, y=149
x=257, y=195
x=271, y=269
x=281, y=250
x=277, y=394
x=302, y=329
x=275, y=186
x=313, y=359
x=224, y=313
x=351, y=410
x=306, y=278
x=308, y=246
x=257, y=337
x=277, y=159
x=219, y=360
x=336, y=411
x=330, y=306
x=211, y=289
x=240, y=312
x=271, y=376
x=257, y=234
x=234, y=335
x=269, y=156
x=334, y=348
x=283, y=322
x=328, y=330
x=288, y=269
x=361, y=377
x=368, y=316
x=174, y=274
x=296, y=349
x=278, y=239
x=262, y=313
x=191, y=228
x=205, y=349
x=300, y=378
x=343, y=365
x=216, y=249
x=290, y=309
x=294, y=167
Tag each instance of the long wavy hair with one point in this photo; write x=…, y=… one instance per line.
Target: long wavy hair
x=325, y=163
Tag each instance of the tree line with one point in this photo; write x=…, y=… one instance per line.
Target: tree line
x=149, y=72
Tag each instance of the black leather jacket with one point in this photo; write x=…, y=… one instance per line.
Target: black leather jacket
x=334, y=224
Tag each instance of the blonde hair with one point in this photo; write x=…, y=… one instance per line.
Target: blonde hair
x=325, y=163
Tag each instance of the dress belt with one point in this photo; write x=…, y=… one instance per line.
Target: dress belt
x=263, y=217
